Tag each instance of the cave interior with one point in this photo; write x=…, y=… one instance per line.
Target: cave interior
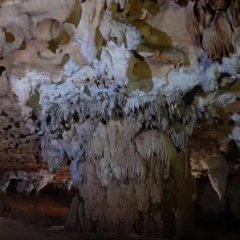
x=120, y=117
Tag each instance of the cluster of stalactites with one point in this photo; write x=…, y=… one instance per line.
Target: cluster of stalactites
x=215, y=4
x=26, y=181
x=153, y=111
x=105, y=132
x=214, y=27
x=125, y=150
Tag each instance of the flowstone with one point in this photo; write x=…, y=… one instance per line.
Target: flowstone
x=139, y=184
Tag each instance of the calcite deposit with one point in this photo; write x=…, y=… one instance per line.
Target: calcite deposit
x=115, y=88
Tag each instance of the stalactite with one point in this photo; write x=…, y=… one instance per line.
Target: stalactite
x=150, y=144
x=103, y=109
x=110, y=144
x=201, y=20
x=235, y=10
x=217, y=4
x=27, y=181
x=52, y=152
x=218, y=38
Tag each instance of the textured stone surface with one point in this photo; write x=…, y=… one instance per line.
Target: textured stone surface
x=115, y=89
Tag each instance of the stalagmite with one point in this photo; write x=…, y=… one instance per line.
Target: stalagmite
x=217, y=173
x=135, y=187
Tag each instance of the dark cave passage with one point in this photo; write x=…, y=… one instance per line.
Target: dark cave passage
x=49, y=208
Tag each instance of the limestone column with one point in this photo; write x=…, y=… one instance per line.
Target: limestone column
x=134, y=181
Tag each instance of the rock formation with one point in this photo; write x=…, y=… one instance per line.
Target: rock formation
x=116, y=88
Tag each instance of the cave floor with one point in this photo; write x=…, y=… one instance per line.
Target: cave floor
x=13, y=230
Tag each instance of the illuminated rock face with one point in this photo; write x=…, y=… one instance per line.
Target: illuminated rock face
x=117, y=87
